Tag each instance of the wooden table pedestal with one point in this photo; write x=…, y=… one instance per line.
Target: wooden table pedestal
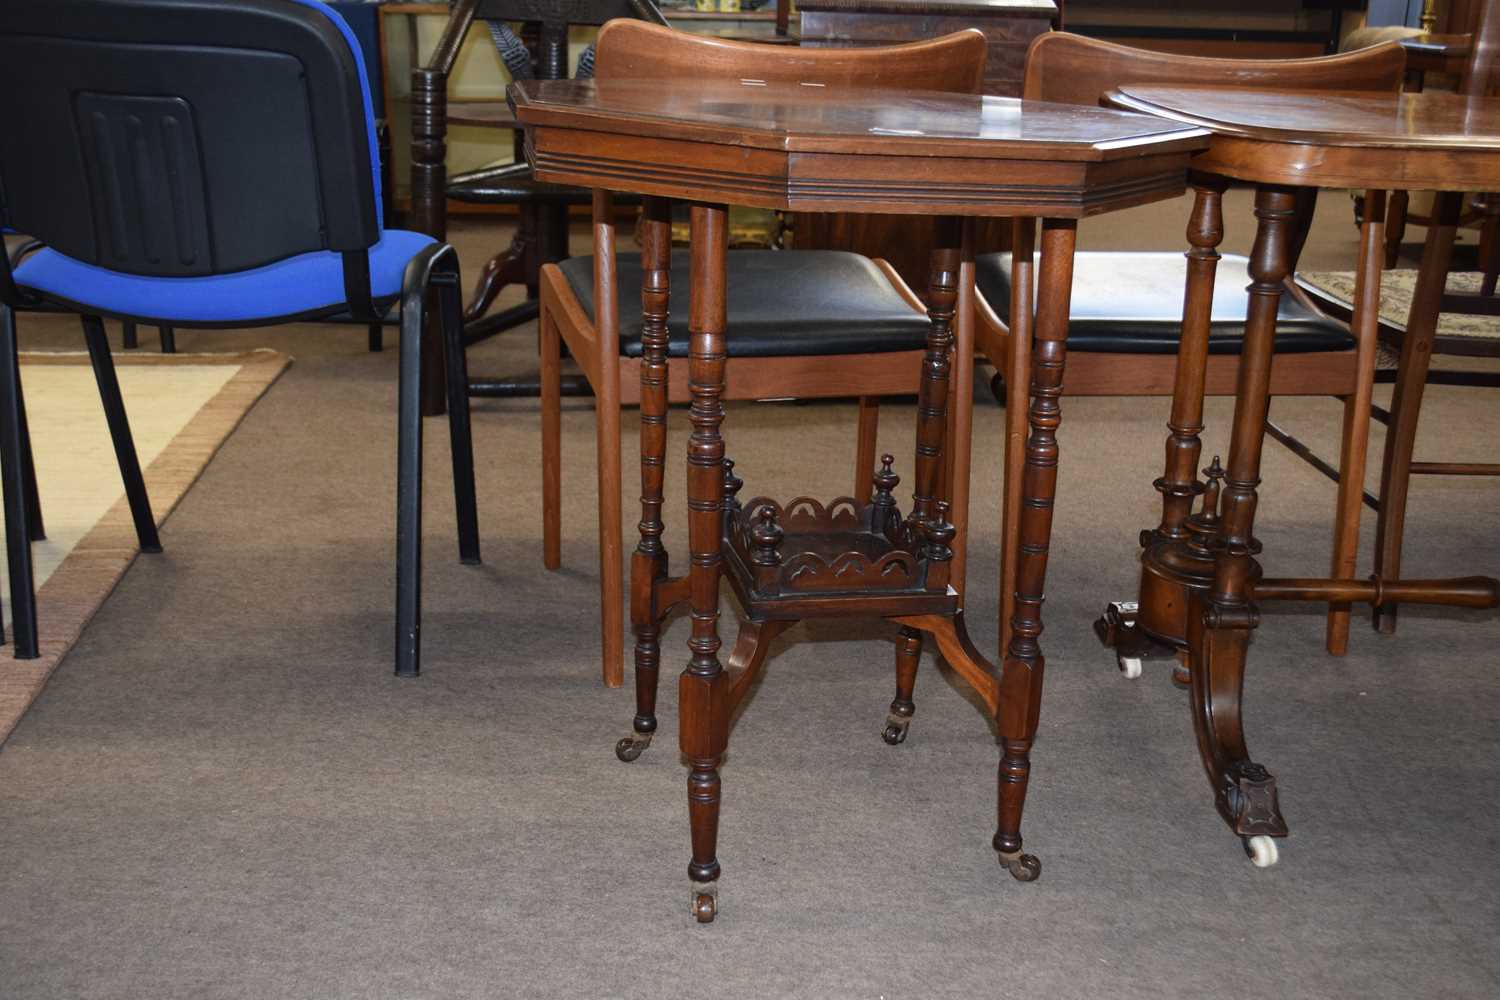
x=1201, y=585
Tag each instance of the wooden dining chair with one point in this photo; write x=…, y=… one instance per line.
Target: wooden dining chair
x=1127, y=309
x=802, y=323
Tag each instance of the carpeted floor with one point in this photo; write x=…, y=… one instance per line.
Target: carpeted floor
x=185, y=406
x=225, y=793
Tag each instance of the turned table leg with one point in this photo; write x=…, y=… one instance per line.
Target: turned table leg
x=1021, y=675
x=648, y=564
x=1220, y=622
x=1179, y=485
x=1406, y=402
x=1170, y=568
x=703, y=686
x=908, y=655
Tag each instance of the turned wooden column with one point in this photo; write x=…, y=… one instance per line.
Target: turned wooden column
x=1021, y=675
x=703, y=686
x=648, y=564
x=1220, y=623
x=932, y=393
x=1179, y=485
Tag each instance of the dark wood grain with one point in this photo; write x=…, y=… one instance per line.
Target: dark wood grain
x=805, y=148
x=1278, y=138
x=774, y=140
x=1423, y=141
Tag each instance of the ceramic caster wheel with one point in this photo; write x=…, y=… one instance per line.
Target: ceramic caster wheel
x=1130, y=666
x=1022, y=867
x=1262, y=850
x=705, y=903
x=632, y=747
x=895, y=731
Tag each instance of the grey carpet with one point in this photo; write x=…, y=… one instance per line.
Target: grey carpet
x=224, y=792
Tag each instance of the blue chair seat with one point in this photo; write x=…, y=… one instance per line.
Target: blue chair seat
x=310, y=284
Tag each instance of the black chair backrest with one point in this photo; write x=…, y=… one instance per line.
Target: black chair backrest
x=175, y=138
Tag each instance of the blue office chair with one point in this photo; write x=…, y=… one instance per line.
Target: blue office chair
x=194, y=163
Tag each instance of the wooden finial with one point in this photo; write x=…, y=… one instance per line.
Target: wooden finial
x=732, y=485
x=765, y=537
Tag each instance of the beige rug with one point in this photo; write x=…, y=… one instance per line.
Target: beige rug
x=182, y=408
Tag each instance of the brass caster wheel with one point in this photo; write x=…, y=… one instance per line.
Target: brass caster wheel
x=705, y=897
x=1181, y=676
x=1022, y=867
x=895, y=730
x=632, y=747
x=1262, y=851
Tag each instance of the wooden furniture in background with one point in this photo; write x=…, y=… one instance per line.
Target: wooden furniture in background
x=858, y=329
x=1200, y=582
x=1470, y=57
x=1009, y=27
x=1118, y=341
x=1218, y=29
x=793, y=148
x=542, y=233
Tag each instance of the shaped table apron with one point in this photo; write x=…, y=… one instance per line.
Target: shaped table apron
x=1414, y=142
x=851, y=182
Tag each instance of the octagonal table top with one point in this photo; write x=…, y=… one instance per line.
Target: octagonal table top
x=808, y=147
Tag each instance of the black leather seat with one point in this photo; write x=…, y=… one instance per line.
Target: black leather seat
x=1131, y=303
x=781, y=302
x=513, y=184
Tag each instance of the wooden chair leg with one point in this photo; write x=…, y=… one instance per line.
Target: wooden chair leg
x=611, y=557
x=1489, y=244
x=551, y=379
x=1016, y=371
x=958, y=445
x=1355, y=441
x=1406, y=402
x=607, y=427
x=1395, y=229
x=864, y=458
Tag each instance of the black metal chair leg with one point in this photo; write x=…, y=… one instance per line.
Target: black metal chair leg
x=168, y=339
x=119, y=432
x=35, y=527
x=377, y=338
x=17, y=544
x=409, y=487
x=128, y=337
x=450, y=314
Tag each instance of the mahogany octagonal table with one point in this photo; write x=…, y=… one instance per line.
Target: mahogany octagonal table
x=1200, y=582
x=821, y=149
